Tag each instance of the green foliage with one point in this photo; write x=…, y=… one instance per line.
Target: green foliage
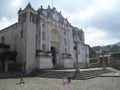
x=108, y=48
x=91, y=53
x=115, y=55
x=93, y=60
x=116, y=66
x=115, y=58
x=96, y=48
x=115, y=48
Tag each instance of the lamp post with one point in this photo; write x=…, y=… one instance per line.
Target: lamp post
x=103, y=62
x=77, y=64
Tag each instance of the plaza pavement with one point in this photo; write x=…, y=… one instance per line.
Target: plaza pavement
x=115, y=73
x=36, y=83
x=39, y=83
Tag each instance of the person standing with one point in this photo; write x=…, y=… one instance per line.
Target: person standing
x=21, y=74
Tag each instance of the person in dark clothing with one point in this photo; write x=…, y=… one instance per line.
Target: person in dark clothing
x=69, y=79
x=21, y=74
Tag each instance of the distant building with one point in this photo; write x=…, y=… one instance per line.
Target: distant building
x=106, y=58
x=44, y=39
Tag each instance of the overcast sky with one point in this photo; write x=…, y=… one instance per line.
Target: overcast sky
x=100, y=19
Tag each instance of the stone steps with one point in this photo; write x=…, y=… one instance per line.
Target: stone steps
x=90, y=74
x=8, y=75
x=82, y=75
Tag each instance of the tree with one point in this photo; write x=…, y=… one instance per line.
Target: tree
x=115, y=48
x=92, y=52
x=115, y=54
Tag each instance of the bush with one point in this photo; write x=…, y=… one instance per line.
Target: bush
x=116, y=66
x=115, y=55
x=93, y=60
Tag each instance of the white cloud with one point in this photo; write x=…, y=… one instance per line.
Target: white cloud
x=16, y=3
x=79, y=13
x=4, y=22
x=94, y=36
x=98, y=6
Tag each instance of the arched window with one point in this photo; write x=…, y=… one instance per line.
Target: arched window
x=2, y=39
x=43, y=36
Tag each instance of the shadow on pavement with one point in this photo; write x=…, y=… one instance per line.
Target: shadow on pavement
x=82, y=75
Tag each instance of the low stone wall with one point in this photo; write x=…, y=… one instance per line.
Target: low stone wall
x=82, y=65
x=45, y=62
x=68, y=63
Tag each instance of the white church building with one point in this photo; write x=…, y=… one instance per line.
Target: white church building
x=44, y=39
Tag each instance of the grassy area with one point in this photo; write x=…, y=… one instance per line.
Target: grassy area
x=116, y=66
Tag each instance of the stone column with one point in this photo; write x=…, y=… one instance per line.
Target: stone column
x=6, y=65
x=49, y=37
x=41, y=36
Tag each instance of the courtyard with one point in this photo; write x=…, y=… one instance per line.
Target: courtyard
x=36, y=83
x=107, y=81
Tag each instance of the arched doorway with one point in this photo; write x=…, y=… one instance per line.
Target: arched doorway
x=55, y=40
x=53, y=56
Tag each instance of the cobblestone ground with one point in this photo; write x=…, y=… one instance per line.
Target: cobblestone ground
x=36, y=83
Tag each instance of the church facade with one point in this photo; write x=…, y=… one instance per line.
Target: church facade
x=44, y=39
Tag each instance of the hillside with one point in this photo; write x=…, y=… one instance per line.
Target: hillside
x=109, y=48
x=118, y=43
x=112, y=48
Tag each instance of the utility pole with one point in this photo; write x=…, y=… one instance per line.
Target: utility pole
x=76, y=64
x=103, y=62
x=103, y=55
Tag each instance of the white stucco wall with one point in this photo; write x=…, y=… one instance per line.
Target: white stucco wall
x=44, y=62
x=26, y=46
x=9, y=35
x=68, y=62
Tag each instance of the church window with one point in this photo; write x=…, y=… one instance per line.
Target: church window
x=32, y=17
x=2, y=39
x=65, y=41
x=43, y=25
x=43, y=36
x=43, y=47
x=65, y=50
x=21, y=34
x=54, y=36
x=64, y=33
x=22, y=18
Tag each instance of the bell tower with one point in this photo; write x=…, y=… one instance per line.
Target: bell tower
x=27, y=22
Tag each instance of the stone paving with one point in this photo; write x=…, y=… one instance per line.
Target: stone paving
x=44, y=83
x=36, y=83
